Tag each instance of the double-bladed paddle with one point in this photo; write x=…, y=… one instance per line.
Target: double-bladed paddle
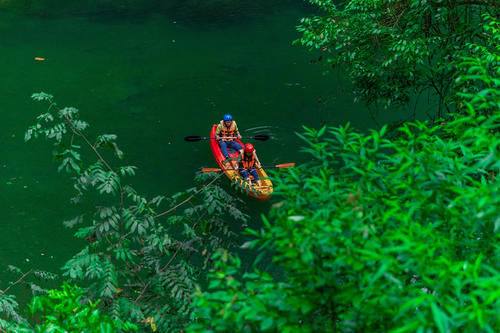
x=195, y=138
x=284, y=165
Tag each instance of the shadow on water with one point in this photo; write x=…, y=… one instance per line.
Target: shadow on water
x=206, y=13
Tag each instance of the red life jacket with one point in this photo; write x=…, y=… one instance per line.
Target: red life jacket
x=225, y=132
x=248, y=162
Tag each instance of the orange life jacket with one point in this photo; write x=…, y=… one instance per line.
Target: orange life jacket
x=248, y=162
x=225, y=132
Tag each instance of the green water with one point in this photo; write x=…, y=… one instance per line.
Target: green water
x=151, y=77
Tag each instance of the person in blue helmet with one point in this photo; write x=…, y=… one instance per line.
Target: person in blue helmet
x=225, y=133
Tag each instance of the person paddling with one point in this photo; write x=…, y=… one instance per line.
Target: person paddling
x=248, y=162
x=226, y=131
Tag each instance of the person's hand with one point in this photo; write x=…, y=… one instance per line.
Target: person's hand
x=217, y=137
x=239, y=136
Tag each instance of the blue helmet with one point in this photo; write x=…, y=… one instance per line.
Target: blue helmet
x=228, y=117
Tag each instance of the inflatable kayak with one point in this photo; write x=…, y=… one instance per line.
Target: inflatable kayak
x=260, y=192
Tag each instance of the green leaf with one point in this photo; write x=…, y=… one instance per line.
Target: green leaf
x=267, y=324
x=440, y=319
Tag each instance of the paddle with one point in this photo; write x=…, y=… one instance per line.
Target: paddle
x=195, y=138
x=284, y=165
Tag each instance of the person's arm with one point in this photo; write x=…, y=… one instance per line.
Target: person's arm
x=257, y=160
x=236, y=130
x=217, y=132
x=240, y=156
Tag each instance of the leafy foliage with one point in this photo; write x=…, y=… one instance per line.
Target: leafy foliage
x=8, y=310
x=394, y=50
x=478, y=82
x=379, y=234
x=141, y=260
x=374, y=236
x=66, y=310
x=10, y=318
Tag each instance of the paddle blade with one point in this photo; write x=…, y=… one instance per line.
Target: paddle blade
x=261, y=137
x=285, y=165
x=192, y=138
x=210, y=170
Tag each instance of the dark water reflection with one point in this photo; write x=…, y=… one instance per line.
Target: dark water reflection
x=194, y=12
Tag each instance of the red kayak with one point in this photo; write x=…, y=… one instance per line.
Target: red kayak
x=262, y=192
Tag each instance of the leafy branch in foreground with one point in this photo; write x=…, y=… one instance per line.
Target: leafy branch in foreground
x=374, y=236
x=141, y=260
x=10, y=318
x=67, y=310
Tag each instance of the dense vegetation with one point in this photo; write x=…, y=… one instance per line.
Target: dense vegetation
x=380, y=232
x=376, y=235
x=394, y=51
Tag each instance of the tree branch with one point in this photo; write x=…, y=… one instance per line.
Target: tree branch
x=2, y=292
x=189, y=198
x=99, y=156
x=171, y=259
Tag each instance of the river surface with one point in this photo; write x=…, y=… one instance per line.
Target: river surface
x=151, y=77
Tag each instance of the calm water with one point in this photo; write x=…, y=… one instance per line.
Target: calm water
x=152, y=77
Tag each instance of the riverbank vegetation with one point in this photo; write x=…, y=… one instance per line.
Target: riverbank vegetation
x=382, y=231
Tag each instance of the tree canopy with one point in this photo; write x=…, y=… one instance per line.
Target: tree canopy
x=397, y=50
